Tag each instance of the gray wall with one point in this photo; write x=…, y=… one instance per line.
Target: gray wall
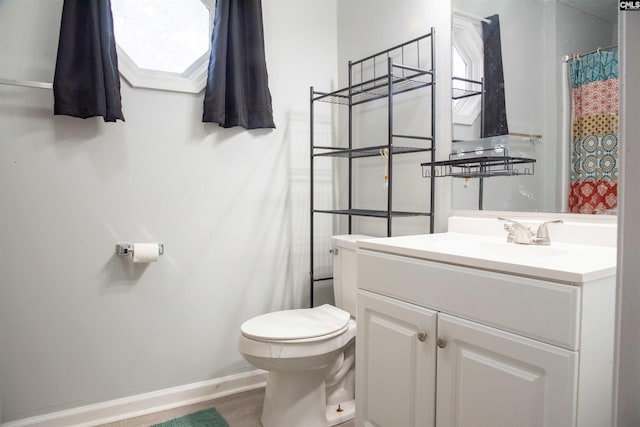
x=79, y=325
x=364, y=28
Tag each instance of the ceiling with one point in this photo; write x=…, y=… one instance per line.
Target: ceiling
x=605, y=9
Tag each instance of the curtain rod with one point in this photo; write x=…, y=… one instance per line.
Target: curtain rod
x=26, y=83
x=579, y=54
x=471, y=16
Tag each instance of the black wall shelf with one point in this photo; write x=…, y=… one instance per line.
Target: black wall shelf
x=497, y=163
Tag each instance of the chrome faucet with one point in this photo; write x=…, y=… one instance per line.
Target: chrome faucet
x=521, y=234
x=542, y=235
x=518, y=233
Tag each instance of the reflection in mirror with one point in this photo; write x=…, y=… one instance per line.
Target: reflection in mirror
x=569, y=128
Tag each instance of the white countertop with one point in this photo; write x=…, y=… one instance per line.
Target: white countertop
x=561, y=261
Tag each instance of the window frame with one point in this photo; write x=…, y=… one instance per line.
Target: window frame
x=466, y=37
x=192, y=80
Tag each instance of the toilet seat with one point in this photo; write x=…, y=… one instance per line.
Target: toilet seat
x=297, y=326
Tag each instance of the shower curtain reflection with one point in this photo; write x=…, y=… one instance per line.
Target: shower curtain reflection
x=594, y=133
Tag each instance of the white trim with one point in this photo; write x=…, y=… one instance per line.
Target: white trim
x=627, y=356
x=470, y=16
x=147, y=403
x=564, y=160
x=193, y=80
x=601, y=219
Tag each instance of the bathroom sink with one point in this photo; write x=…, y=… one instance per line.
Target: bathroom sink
x=564, y=262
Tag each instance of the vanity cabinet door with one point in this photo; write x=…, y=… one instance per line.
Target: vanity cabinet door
x=492, y=378
x=395, y=363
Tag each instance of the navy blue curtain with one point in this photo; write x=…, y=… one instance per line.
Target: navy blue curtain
x=86, y=81
x=237, y=92
x=495, y=111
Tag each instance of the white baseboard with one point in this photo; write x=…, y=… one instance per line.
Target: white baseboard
x=147, y=403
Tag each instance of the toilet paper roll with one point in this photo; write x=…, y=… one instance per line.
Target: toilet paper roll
x=145, y=252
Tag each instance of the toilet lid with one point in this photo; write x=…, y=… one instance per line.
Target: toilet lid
x=296, y=324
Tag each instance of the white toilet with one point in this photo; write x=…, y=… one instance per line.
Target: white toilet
x=309, y=353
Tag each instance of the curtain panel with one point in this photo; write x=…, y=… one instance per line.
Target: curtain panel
x=237, y=92
x=495, y=110
x=86, y=81
x=594, y=133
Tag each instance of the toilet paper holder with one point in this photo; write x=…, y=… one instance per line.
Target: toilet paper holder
x=126, y=249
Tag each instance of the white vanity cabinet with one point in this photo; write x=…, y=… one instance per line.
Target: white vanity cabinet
x=448, y=345
x=396, y=362
x=488, y=377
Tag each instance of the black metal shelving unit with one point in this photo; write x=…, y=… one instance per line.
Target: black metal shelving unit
x=386, y=74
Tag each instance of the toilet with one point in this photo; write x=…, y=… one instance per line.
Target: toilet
x=309, y=353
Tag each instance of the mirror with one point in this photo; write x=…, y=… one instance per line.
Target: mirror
x=538, y=40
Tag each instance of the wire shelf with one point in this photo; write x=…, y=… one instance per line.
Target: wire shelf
x=376, y=88
x=371, y=213
x=368, y=151
x=469, y=164
x=457, y=93
x=473, y=88
x=402, y=68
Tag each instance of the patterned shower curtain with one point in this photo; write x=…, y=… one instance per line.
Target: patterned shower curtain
x=594, y=153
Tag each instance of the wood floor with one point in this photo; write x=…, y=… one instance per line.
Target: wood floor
x=240, y=410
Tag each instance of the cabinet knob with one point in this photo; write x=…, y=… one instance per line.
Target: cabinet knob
x=422, y=335
x=441, y=342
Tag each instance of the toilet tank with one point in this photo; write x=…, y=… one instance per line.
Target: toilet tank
x=344, y=271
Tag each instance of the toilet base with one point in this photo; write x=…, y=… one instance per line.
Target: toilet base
x=296, y=398
x=347, y=412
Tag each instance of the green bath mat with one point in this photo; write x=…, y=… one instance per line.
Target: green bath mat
x=207, y=418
